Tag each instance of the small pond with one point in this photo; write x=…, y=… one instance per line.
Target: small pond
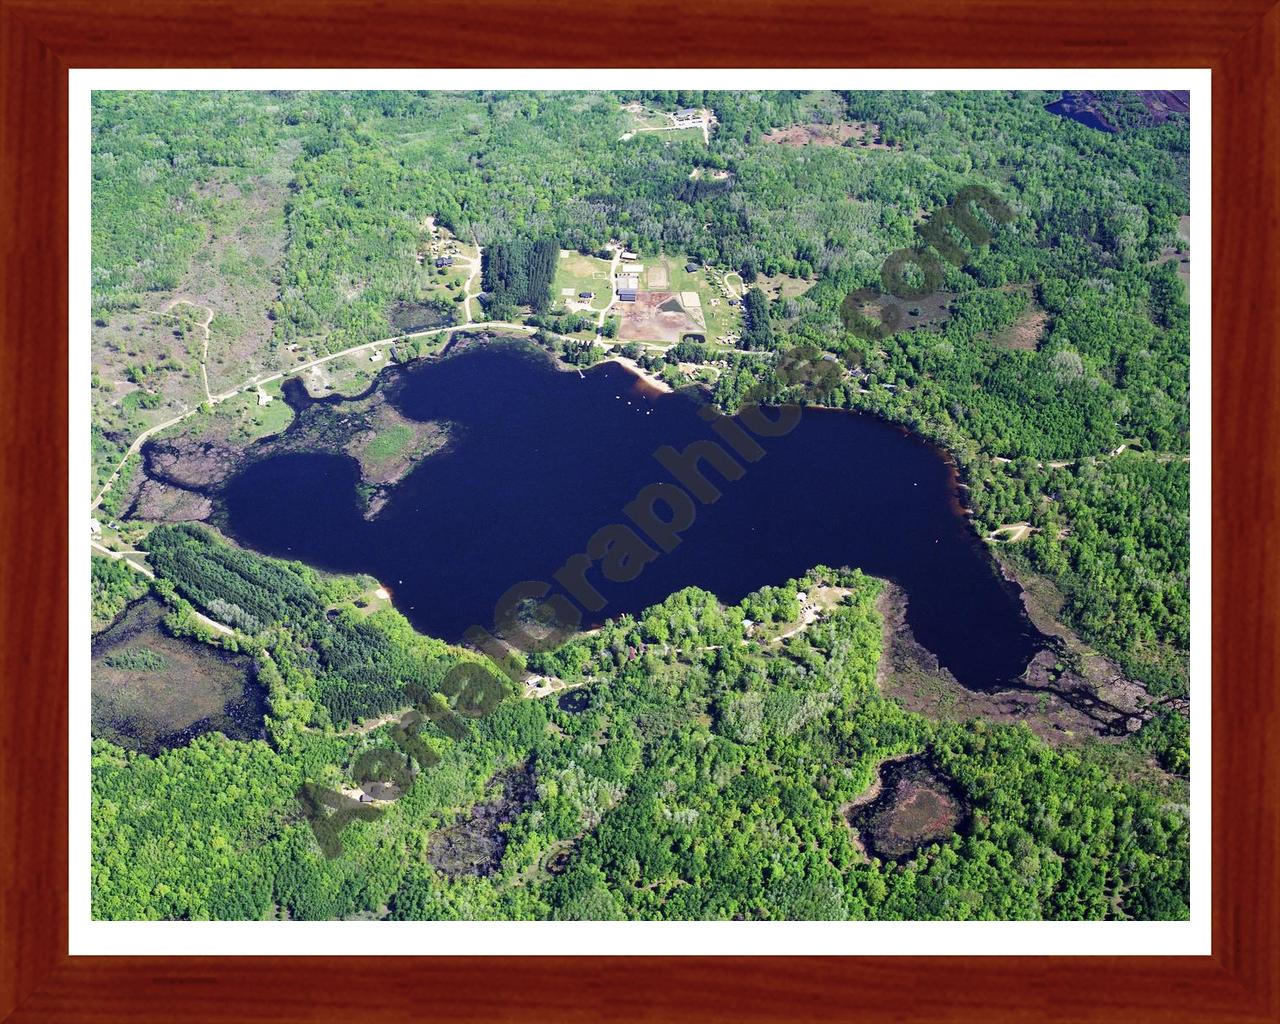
x=913, y=805
x=153, y=691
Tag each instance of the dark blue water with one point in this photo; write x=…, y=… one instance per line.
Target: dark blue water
x=1068, y=108
x=542, y=459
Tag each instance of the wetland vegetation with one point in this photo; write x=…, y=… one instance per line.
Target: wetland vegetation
x=324, y=527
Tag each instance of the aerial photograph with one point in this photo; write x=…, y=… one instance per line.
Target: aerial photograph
x=655, y=505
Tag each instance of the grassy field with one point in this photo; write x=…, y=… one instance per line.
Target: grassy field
x=780, y=286
x=253, y=420
x=442, y=282
x=240, y=420
x=642, y=118
x=346, y=375
x=393, y=445
x=389, y=443
x=581, y=274
x=681, y=135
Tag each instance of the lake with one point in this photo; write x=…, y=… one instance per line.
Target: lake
x=540, y=459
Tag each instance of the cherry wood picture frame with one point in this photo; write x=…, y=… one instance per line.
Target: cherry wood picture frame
x=41, y=39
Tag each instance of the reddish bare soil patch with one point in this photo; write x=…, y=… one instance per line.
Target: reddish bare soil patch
x=647, y=320
x=1026, y=332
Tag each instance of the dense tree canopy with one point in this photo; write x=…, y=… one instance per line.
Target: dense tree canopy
x=696, y=767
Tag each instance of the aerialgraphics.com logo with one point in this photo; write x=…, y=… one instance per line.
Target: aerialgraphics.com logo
x=917, y=272
x=532, y=616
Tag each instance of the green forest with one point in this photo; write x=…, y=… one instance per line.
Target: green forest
x=694, y=767
x=702, y=776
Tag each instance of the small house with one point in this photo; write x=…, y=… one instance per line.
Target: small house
x=627, y=295
x=627, y=254
x=586, y=295
x=444, y=261
x=684, y=113
x=691, y=268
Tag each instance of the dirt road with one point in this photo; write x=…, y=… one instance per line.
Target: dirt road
x=258, y=381
x=613, y=286
x=167, y=310
x=146, y=571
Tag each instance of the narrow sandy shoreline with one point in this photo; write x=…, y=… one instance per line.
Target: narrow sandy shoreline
x=652, y=379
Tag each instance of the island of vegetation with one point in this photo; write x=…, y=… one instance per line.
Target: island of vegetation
x=269, y=268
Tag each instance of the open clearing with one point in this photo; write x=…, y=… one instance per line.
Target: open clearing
x=1028, y=331
x=147, y=361
x=236, y=271
x=865, y=134
x=930, y=311
x=243, y=419
x=146, y=371
x=656, y=316
x=576, y=273
x=1170, y=253
x=782, y=286
x=642, y=118
x=711, y=311
x=434, y=283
